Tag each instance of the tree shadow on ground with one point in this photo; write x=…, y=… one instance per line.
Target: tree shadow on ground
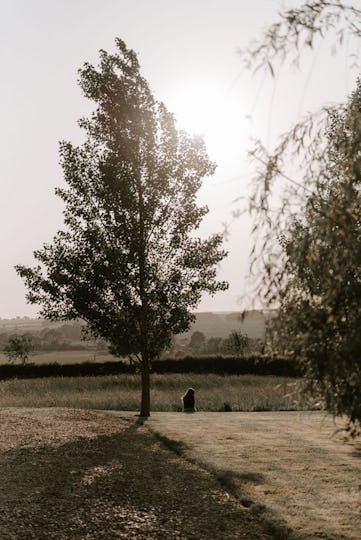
x=125, y=485
x=235, y=483
x=119, y=486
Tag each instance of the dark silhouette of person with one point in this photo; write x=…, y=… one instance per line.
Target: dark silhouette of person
x=189, y=401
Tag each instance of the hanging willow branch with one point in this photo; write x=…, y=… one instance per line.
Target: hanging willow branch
x=298, y=29
x=306, y=204
x=285, y=178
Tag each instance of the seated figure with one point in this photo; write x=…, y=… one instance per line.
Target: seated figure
x=189, y=401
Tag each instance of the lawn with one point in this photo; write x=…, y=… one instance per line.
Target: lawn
x=93, y=475
x=291, y=467
x=85, y=475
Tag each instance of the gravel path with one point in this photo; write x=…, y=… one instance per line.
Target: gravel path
x=71, y=474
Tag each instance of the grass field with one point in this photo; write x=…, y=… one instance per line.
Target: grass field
x=290, y=467
x=122, y=392
x=66, y=357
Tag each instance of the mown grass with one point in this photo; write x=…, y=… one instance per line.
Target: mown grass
x=295, y=469
x=122, y=392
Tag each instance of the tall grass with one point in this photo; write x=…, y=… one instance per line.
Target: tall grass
x=122, y=392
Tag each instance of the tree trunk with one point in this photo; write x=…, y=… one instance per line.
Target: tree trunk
x=145, y=402
x=144, y=323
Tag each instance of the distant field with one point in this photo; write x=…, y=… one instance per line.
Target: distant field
x=122, y=392
x=66, y=357
x=290, y=468
x=212, y=324
x=223, y=323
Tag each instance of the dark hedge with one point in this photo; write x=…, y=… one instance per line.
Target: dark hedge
x=223, y=365
x=34, y=371
x=230, y=365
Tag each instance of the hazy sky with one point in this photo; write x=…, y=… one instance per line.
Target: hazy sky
x=188, y=53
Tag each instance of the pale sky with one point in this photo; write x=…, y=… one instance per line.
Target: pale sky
x=188, y=52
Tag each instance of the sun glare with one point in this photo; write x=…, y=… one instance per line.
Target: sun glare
x=216, y=115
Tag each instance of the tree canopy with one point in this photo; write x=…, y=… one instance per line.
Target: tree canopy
x=19, y=347
x=320, y=290
x=128, y=261
x=307, y=246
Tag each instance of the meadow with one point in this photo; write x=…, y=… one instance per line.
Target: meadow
x=122, y=392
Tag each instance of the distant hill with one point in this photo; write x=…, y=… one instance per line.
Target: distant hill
x=28, y=324
x=221, y=324
x=211, y=324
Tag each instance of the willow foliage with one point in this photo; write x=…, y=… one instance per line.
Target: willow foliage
x=307, y=207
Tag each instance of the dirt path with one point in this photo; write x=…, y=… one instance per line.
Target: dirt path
x=70, y=474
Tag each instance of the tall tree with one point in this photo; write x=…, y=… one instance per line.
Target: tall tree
x=197, y=341
x=236, y=343
x=128, y=262
x=308, y=248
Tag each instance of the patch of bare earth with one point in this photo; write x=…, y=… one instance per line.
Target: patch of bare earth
x=71, y=474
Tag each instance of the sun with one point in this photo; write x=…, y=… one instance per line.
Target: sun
x=217, y=115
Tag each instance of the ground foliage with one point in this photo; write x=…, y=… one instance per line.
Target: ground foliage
x=214, y=392
x=128, y=262
x=307, y=247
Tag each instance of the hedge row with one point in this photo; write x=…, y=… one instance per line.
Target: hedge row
x=223, y=365
x=230, y=365
x=85, y=369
